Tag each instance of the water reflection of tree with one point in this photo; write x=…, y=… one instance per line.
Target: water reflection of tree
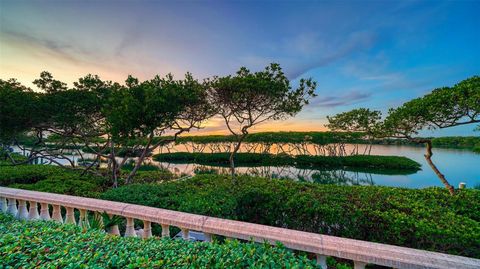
x=337, y=177
x=341, y=177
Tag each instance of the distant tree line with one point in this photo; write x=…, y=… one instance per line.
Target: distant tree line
x=442, y=108
x=105, y=117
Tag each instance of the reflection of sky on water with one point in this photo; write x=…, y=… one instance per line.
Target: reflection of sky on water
x=457, y=165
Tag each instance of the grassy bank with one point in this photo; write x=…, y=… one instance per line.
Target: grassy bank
x=39, y=244
x=371, y=163
x=426, y=218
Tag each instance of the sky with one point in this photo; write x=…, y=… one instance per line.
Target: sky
x=374, y=54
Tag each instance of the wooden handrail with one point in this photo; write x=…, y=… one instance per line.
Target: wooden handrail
x=361, y=252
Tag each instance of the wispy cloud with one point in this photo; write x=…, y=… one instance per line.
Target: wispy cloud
x=343, y=99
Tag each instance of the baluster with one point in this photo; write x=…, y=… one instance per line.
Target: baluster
x=114, y=228
x=208, y=237
x=359, y=265
x=57, y=214
x=165, y=231
x=147, y=229
x=83, y=220
x=44, y=213
x=12, y=206
x=322, y=261
x=130, y=229
x=33, y=211
x=70, y=216
x=3, y=204
x=22, y=212
x=185, y=233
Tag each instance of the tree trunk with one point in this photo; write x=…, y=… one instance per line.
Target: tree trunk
x=114, y=165
x=428, y=157
x=232, y=155
x=139, y=161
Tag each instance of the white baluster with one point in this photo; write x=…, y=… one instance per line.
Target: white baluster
x=185, y=233
x=147, y=229
x=322, y=261
x=33, y=211
x=130, y=229
x=57, y=214
x=208, y=237
x=165, y=231
x=12, y=206
x=359, y=265
x=22, y=213
x=44, y=213
x=3, y=204
x=83, y=220
x=114, y=228
x=70, y=216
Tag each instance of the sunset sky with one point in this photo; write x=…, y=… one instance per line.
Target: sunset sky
x=374, y=54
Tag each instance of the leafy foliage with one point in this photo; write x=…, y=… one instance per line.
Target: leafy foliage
x=42, y=244
x=379, y=163
x=419, y=218
x=248, y=99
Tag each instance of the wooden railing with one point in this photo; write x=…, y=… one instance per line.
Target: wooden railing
x=361, y=252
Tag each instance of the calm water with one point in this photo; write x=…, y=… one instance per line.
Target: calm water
x=457, y=165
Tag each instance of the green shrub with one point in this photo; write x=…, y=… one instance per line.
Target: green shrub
x=428, y=219
x=27, y=174
x=65, y=184
x=392, y=164
x=49, y=178
x=39, y=244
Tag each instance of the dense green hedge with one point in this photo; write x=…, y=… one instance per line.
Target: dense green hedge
x=419, y=218
x=364, y=162
x=39, y=244
x=50, y=178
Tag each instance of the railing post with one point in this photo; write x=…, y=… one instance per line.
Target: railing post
x=57, y=214
x=33, y=211
x=185, y=233
x=70, y=216
x=3, y=204
x=83, y=221
x=359, y=265
x=22, y=210
x=322, y=261
x=130, y=229
x=44, y=213
x=147, y=229
x=165, y=231
x=12, y=206
x=208, y=237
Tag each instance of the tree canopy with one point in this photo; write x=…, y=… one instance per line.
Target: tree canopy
x=250, y=98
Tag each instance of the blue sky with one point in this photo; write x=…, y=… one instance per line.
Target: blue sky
x=374, y=54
